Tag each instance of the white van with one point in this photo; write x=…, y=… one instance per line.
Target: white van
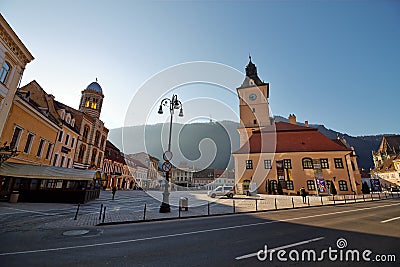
x=225, y=190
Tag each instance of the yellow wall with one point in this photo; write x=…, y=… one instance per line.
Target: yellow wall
x=22, y=115
x=260, y=175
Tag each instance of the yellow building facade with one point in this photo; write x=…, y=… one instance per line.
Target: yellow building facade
x=14, y=57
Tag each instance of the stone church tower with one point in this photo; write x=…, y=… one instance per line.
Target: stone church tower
x=92, y=100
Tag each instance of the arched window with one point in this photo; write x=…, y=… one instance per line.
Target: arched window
x=81, y=153
x=86, y=131
x=97, y=138
x=93, y=159
x=307, y=163
x=5, y=69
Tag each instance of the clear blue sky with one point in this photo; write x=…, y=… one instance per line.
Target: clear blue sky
x=335, y=63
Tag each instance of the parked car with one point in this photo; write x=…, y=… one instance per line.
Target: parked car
x=225, y=190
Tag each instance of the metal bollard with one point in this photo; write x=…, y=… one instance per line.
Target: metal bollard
x=345, y=199
x=208, y=208
x=144, y=212
x=101, y=210
x=379, y=195
x=363, y=198
x=308, y=201
x=179, y=210
x=333, y=199
x=234, y=206
x=322, y=203
x=77, y=210
x=292, y=203
x=385, y=195
x=276, y=206
x=354, y=194
x=104, y=214
x=372, y=198
x=256, y=206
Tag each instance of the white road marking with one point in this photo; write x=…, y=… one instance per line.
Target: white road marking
x=186, y=233
x=31, y=211
x=282, y=247
x=389, y=220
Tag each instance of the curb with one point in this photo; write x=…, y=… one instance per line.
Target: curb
x=231, y=213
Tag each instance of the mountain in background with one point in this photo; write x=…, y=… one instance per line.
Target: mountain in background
x=195, y=139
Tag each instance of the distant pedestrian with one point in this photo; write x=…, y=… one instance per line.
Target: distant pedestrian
x=114, y=189
x=303, y=194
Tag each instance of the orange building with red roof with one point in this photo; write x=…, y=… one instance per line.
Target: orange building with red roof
x=292, y=155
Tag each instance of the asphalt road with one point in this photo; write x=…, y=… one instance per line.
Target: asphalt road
x=232, y=240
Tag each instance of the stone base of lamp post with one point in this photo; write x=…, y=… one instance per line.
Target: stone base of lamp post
x=165, y=207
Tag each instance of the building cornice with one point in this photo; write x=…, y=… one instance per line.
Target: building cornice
x=8, y=36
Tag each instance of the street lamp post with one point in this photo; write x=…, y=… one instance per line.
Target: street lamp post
x=7, y=152
x=173, y=104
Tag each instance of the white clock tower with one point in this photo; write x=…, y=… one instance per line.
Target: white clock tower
x=253, y=104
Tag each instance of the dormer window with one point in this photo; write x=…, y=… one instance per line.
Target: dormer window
x=68, y=118
x=63, y=114
x=73, y=122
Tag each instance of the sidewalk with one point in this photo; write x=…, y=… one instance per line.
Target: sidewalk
x=130, y=206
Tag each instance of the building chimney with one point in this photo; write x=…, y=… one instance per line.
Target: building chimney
x=292, y=119
x=306, y=123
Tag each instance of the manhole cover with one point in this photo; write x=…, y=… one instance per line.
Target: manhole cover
x=76, y=232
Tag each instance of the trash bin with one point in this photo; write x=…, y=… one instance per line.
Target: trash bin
x=14, y=197
x=183, y=203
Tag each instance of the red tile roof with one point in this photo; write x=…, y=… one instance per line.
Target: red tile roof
x=289, y=138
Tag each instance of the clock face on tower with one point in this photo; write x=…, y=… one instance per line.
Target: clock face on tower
x=252, y=97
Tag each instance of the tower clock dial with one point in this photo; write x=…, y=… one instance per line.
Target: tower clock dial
x=252, y=97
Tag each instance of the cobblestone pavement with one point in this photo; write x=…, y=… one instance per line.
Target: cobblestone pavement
x=131, y=206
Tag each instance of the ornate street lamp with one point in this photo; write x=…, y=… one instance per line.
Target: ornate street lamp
x=173, y=104
x=7, y=152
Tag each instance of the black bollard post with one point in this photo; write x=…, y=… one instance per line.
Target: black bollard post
x=144, y=212
x=256, y=205
x=292, y=202
x=234, y=210
x=77, y=210
x=363, y=198
x=322, y=203
x=179, y=210
x=308, y=201
x=276, y=206
x=344, y=199
x=372, y=197
x=354, y=194
x=333, y=199
x=208, y=208
x=101, y=210
x=104, y=214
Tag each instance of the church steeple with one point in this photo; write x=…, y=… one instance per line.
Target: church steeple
x=252, y=78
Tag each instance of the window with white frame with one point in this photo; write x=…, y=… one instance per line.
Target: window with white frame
x=16, y=137
x=343, y=185
x=40, y=148
x=28, y=144
x=49, y=148
x=5, y=70
x=267, y=164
